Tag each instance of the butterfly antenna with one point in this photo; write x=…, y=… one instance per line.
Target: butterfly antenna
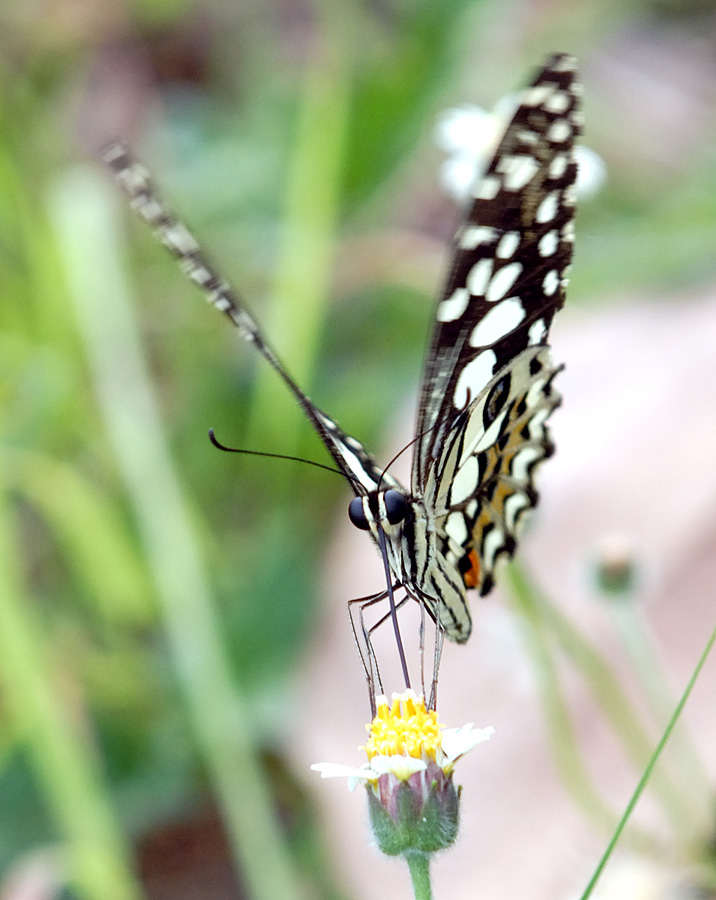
x=309, y=462
x=136, y=182
x=418, y=437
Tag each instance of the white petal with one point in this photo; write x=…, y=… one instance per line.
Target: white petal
x=456, y=742
x=400, y=766
x=337, y=770
x=465, y=129
x=591, y=172
x=469, y=135
x=457, y=175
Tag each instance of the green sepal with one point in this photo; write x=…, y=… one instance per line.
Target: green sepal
x=412, y=828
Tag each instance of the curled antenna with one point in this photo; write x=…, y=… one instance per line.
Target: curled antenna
x=309, y=462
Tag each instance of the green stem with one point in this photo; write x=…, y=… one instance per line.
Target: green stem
x=419, y=865
x=639, y=646
x=562, y=736
x=613, y=700
x=639, y=790
x=84, y=208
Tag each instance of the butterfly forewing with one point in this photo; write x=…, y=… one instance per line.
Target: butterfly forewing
x=349, y=454
x=487, y=388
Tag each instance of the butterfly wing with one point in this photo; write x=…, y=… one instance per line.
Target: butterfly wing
x=487, y=388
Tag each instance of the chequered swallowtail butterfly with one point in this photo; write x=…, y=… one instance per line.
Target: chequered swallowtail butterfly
x=487, y=386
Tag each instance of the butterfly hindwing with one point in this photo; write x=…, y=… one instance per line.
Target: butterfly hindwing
x=486, y=475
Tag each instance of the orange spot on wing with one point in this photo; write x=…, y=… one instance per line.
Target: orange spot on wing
x=472, y=576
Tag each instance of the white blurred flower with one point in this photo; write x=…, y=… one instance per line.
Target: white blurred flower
x=469, y=135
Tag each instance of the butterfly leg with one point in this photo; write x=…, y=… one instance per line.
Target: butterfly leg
x=426, y=611
x=363, y=636
x=437, y=656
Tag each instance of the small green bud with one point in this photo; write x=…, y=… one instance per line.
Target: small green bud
x=418, y=814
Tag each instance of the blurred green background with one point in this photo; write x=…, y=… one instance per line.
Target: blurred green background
x=155, y=595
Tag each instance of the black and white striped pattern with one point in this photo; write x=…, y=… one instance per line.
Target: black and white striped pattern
x=487, y=387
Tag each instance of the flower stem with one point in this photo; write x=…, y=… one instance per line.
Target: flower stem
x=419, y=865
x=639, y=790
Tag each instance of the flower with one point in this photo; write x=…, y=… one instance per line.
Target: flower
x=469, y=135
x=411, y=758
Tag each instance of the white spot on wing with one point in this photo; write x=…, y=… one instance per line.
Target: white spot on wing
x=535, y=96
x=179, y=239
x=547, y=209
x=548, y=243
x=537, y=331
x=474, y=235
x=512, y=506
x=478, y=277
x=558, y=166
x=519, y=171
x=536, y=423
x=453, y=306
x=465, y=481
x=509, y=242
x=560, y=131
x=354, y=463
x=558, y=102
x=535, y=392
x=566, y=63
x=498, y=322
x=494, y=541
x=550, y=282
x=473, y=378
x=502, y=281
x=487, y=188
x=528, y=137
x=198, y=273
x=492, y=433
x=456, y=527
x=521, y=462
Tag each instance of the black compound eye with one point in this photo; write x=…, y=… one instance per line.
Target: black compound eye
x=396, y=506
x=357, y=515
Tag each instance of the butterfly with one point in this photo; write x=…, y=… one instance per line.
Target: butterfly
x=487, y=387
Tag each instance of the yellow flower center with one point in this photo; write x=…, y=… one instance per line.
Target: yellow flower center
x=403, y=728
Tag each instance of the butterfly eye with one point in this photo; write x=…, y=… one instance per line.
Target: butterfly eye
x=396, y=506
x=357, y=515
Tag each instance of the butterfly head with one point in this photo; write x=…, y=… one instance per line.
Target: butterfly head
x=386, y=508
